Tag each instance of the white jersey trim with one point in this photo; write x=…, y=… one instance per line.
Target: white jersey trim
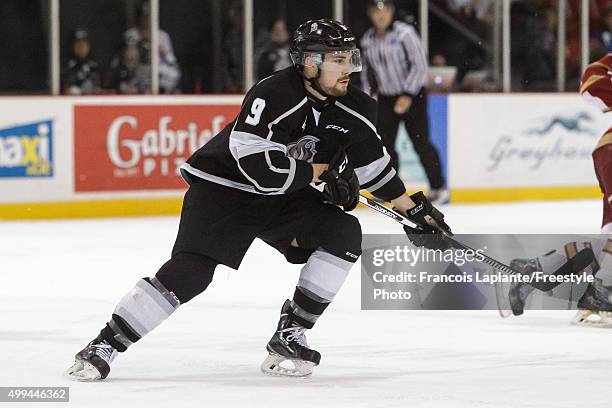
x=223, y=181
x=370, y=171
x=383, y=181
x=359, y=116
x=245, y=144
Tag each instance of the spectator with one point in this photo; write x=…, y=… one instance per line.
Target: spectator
x=130, y=70
x=438, y=60
x=80, y=74
x=232, y=45
x=169, y=73
x=275, y=54
x=605, y=35
x=481, y=9
x=535, y=46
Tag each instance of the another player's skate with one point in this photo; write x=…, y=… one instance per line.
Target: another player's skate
x=519, y=291
x=288, y=345
x=93, y=362
x=595, y=306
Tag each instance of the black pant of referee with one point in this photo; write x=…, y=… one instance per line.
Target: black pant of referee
x=416, y=121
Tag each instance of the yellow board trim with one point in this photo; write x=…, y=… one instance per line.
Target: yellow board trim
x=91, y=208
x=484, y=195
x=172, y=206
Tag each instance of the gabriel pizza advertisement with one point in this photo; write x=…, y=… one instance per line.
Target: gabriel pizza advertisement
x=140, y=147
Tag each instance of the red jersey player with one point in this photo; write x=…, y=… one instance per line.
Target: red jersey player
x=596, y=87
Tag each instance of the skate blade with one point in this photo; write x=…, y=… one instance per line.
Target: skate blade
x=272, y=366
x=592, y=318
x=83, y=371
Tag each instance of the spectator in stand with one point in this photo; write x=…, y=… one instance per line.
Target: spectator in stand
x=535, y=46
x=275, y=54
x=130, y=71
x=232, y=46
x=481, y=9
x=169, y=72
x=80, y=76
x=605, y=35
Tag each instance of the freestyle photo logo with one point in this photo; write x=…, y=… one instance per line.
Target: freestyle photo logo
x=26, y=150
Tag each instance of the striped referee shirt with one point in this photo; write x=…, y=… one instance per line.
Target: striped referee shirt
x=394, y=63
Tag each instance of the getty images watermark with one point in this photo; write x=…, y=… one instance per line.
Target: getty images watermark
x=397, y=275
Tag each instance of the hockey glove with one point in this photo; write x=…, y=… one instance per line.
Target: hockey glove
x=426, y=237
x=425, y=215
x=430, y=224
x=341, y=183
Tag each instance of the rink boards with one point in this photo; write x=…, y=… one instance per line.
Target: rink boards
x=106, y=156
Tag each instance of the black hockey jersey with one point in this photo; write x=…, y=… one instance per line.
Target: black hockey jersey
x=278, y=132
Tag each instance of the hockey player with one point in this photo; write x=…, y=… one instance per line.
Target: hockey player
x=596, y=87
x=301, y=125
x=595, y=307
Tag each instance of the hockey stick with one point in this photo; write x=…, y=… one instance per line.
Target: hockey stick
x=573, y=266
x=500, y=296
x=404, y=221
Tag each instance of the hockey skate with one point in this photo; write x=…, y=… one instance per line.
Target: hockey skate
x=93, y=362
x=289, y=354
x=595, y=306
x=519, y=291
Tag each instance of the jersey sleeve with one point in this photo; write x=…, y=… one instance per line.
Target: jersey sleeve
x=262, y=161
x=371, y=161
x=596, y=84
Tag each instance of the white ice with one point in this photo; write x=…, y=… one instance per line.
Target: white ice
x=60, y=281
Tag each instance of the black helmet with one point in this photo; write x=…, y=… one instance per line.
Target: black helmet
x=322, y=36
x=318, y=37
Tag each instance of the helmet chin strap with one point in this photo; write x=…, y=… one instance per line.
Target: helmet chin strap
x=319, y=104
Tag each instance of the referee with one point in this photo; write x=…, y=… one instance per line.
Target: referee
x=395, y=70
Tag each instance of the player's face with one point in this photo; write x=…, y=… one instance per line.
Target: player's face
x=335, y=71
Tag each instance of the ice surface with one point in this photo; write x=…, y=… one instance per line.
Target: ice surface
x=61, y=280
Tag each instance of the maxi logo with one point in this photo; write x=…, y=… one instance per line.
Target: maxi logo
x=26, y=150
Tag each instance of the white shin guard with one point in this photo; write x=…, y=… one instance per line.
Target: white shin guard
x=324, y=274
x=146, y=306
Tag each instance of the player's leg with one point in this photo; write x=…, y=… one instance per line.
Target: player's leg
x=595, y=306
x=387, y=124
x=190, y=270
x=602, y=160
x=579, y=256
x=142, y=309
x=416, y=120
x=328, y=241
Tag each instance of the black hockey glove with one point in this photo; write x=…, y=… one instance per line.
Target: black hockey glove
x=425, y=215
x=426, y=237
x=341, y=183
x=430, y=224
